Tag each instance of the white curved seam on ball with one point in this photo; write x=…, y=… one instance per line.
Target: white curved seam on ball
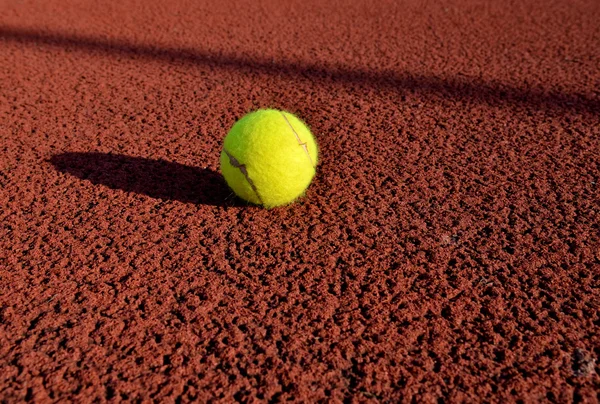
x=242, y=167
x=303, y=145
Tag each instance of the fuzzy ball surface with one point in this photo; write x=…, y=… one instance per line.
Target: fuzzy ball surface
x=269, y=158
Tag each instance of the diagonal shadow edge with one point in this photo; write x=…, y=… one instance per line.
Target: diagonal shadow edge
x=465, y=89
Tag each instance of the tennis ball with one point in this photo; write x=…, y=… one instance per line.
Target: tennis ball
x=269, y=158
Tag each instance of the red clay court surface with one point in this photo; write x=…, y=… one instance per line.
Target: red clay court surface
x=447, y=251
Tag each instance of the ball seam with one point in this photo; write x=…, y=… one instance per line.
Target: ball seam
x=242, y=167
x=303, y=145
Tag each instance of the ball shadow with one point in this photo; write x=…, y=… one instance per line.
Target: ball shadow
x=155, y=178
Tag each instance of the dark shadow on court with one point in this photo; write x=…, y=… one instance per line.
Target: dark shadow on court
x=457, y=88
x=155, y=178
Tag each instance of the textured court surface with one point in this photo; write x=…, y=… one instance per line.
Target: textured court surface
x=448, y=248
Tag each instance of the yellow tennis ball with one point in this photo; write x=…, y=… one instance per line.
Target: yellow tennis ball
x=269, y=158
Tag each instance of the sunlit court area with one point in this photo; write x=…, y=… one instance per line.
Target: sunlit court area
x=301, y=201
